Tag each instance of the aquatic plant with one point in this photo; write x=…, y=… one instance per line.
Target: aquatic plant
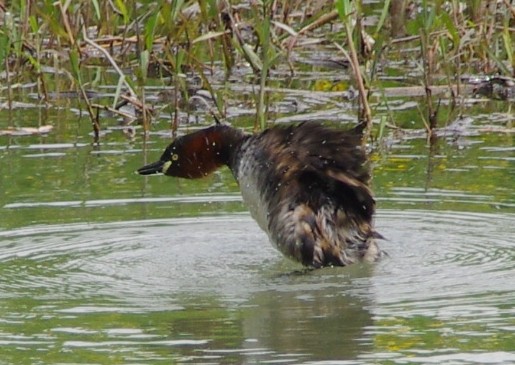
x=172, y=43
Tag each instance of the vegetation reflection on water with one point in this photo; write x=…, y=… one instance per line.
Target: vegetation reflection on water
x=101, y=266
x=213, y=290
x=97, y=265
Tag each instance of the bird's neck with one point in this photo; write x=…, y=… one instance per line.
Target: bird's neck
x=210, y=148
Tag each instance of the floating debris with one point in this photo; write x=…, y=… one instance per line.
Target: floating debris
x=25, y=131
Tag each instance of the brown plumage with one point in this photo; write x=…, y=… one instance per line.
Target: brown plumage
x=306, y=185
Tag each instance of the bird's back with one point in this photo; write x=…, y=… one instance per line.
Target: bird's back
x=307, y=187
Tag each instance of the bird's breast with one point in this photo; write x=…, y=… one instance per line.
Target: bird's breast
x=252, y=187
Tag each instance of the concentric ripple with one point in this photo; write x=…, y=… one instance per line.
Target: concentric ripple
x=442, y=254
x=213, y=290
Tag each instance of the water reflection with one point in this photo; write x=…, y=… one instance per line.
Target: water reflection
x=325, y=321
x=213, y=290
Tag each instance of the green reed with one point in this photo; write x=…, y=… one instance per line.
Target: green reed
x=194, y=38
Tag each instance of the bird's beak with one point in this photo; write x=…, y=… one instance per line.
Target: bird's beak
x=153, y=168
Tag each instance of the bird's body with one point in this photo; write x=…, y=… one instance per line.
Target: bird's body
x=306, y=186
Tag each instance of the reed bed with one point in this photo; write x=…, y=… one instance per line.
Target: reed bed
x=52, y=43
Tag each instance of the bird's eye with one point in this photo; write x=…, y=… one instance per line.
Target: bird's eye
x=175, y=157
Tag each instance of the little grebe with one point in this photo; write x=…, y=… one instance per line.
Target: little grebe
x=306, y=186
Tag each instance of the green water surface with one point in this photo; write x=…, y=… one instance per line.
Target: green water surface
x=99, y=265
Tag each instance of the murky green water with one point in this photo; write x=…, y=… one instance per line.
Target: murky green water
x=212, y=290
x=101, y=266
